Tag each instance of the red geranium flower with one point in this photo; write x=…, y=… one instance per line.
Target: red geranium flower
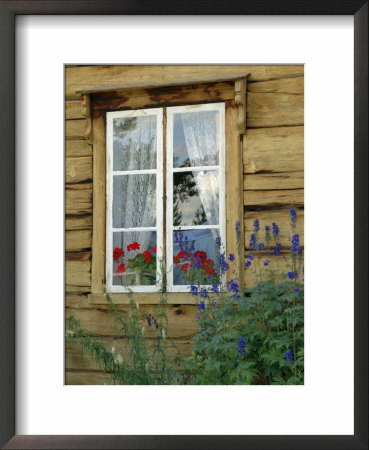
x=154, y=249
x=133, y=246
x=181, y=254
x=120, y=269
x=176, y=260
x=210, y=261
x=199, y=254
x=185, y=267
x=209, y=271
x=117, y=253
x=147, y=255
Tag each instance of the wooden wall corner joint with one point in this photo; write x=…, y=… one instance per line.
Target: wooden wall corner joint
x=240, y=87
x=86, y=112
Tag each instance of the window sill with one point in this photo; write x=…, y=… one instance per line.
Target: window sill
x=173, y=298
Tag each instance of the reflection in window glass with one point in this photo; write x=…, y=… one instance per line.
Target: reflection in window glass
x=191, y=241
x=134, y=143
x=134, y=201
x=134, y=258
x=196, y=139
x=196, y=198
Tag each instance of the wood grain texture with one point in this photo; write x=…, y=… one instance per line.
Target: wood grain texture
x=274, y=110
x=77, y=148
x=84, y=77
x=78, y=240
x=73, y=109
x=78, y=273
x=78, y=170
x=285, y=86
x=291, y=198
x=85, y=378
x=271, y=181
x=281, y=218
x=75, y=129
x=78, y=222
x=273, y=150
x=78, y=199
x=99, y=205
x=100, y=322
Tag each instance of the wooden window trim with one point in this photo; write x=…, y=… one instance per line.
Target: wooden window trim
x=95, y=105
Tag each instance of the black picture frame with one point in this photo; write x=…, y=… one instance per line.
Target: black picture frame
x=8, y=12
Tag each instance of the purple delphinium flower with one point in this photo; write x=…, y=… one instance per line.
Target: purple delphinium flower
x=194, y=290
x=296, y=289
x=238, y=229
x=203, y=293
x=209, y=278
x=292, y=275
x=247, y=264
x=277, y=249
x=241, y=346
x=267, y=233
x=218, y=242
x=267, y=252
x=252, y=243
x=260, y=246
x=201, y=305
x=275, y=231
x=213, y=304
x=295, y=244
x=231, y=257
x=148, y=318
x=215, y=288
x=293, y=217
x=250, y=257
x=223, y=265
x=234, y=287
x=266, y=262
x=256, y=225
x=288, y=356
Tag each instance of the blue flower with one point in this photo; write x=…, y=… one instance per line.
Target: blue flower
x=213, y=304
x=266, y=262
x=238, y=229
x=218, y=242
x=275, y=230
x=209, y=278
x=267, y=233
x=296, y=289
x=194, y=290
x=203, y=293
x=241, y=346
x=260, y=246
x=277, y=249
x=295, y=243
x=267, y=252
x=234, y=287
x=223, y=265
x=201, y=305
x=253, y=241
x=288, y=356
x=215, y=288
x=148, y=318
x=203, y=330
x=256, y=225
x=292, y=275
x=293, y=217
x=250, y=257
x=247, y=264
x=231, y=257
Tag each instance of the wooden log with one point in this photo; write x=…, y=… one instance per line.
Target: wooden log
x=77, y=148
x=77, y=290
x=76, y=359
x=177, y=95
x=86, y=378
x=78, y=301
x=289, y=197
x=73, y=109
x=78, y=269
x=285, y=86
x=274, y=110
x=270, y=181
x=273, y=150
x=281, y=218
x=173, y=298
x=75, y=129
x=78, y=240
x=78, y=169
x=78, y=199
x=84, y=77
x=78, y=222
x=181, y=320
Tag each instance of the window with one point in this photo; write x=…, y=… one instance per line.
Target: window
x=165, y=183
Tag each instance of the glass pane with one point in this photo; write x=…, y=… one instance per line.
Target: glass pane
x=191, y=241
x=196, y=139
x=196, y=198
x=134, y=201
x=134, y=143
x=134, y=258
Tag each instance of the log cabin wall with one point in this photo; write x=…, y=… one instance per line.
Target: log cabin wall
x=273, y=164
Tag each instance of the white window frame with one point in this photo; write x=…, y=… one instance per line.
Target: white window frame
x=110, y=116
x=220, y=107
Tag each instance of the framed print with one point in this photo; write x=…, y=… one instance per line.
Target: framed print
x=125, y=252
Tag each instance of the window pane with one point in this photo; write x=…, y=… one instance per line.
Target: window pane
x=138, y=264
x=134, y=201
x=196, y=139
x=134, y=144
x=191, y=241
x=196, y=198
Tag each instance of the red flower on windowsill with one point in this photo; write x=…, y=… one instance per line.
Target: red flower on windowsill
x=154, y=249
x=117, y=254
x=185, y=267
x=120, y=269
x=147, y=256
x=133, y=246
x=176, y=260
x=209, y=271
